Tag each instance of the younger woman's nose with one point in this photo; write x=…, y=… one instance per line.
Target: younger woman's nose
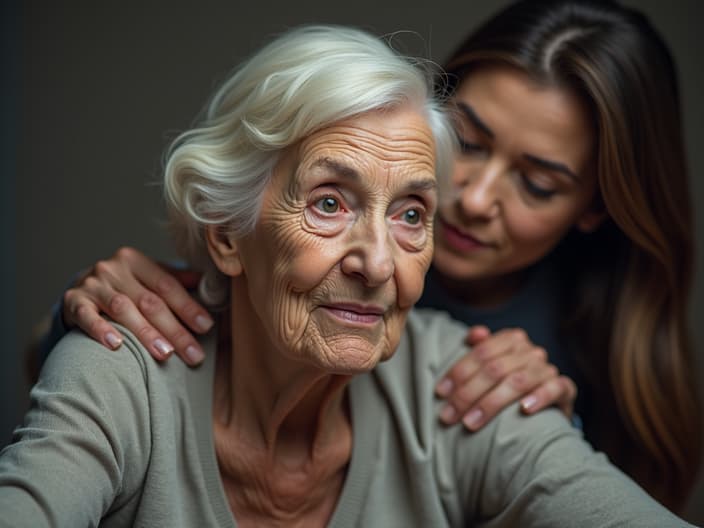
x=479, y=191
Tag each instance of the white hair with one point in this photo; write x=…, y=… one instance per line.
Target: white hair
x=303, y=81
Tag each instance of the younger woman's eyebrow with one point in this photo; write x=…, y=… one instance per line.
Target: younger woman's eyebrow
x=550, y=165
x=472, y=116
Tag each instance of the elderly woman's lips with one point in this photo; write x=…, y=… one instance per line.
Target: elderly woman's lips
x=365, y=315
x=458, y=240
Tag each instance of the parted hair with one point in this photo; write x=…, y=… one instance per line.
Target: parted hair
x=629, y=282
x=304, y=80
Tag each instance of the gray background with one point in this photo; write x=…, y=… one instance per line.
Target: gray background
x=91, y=91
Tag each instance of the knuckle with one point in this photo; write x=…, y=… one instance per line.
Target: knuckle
x=552, y=390
x=540, y=353
x=166, y=284
x=541, y=394
x=570, y=386
x=495, y=369
x=90, y=283
x=519, y=334
x=69, y=297
x=85, y=318
x=95, y=326
x=150, y=304
x=480, y=352
x=190, y=310
x=492, y=403
x=118, y=304
x=81, y=312
x=552, y=371
x=555, y=393
x=124, y=253
x=461, y=370
x=101, y=269
x=547, y=395
x=462, y=398
x=518, y=381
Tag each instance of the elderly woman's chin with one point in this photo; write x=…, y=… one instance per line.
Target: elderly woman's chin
x=348, y=350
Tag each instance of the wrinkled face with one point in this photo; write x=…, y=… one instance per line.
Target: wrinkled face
x=344, y=240
x=523, y=179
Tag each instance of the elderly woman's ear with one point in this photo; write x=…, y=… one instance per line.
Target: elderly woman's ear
x=223, y=250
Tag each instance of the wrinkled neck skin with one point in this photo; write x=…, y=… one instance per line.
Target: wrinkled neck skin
x=282, y=430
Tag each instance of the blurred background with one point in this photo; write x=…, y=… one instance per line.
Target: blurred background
x=92, y=91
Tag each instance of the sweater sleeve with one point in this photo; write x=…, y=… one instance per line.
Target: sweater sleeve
x=84, y=444
x=541, y=472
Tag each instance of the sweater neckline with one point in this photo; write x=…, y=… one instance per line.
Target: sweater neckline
x=355, y=487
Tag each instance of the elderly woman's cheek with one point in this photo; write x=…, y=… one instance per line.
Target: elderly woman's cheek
x=279, y=244
x=291, y=314
x=413, y=258
x=306, y=269
x=411, y=278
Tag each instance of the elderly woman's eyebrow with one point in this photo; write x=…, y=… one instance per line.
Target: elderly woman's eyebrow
x=422, y=184
x=348, y=172
x=338, y=167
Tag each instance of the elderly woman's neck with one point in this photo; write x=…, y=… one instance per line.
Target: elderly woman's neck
x=283, y=443
x=287, y=408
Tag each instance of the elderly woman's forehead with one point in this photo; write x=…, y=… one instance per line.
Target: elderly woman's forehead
x=392, y=122
x=399, y=136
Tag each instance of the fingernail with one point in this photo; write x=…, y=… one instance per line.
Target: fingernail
x=444, y=388
x=448, y=413
x=112, y=340
x=528, y=402
x=203, y=323
x=163, y=347
x=471, y=419
x=194, y=355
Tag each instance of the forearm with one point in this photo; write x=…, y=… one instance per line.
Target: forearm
x=544, y=474
x=66, y=465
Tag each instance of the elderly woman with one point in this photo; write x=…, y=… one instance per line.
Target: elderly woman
x=307, y=194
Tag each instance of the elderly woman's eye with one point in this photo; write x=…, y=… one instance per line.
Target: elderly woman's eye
x=328, y=204
x=411, y=216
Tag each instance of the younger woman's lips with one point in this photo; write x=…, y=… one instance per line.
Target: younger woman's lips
x=460, y=241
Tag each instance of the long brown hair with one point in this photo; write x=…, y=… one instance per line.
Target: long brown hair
x=631, y=279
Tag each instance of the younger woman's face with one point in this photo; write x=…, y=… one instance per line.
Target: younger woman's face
x=525, y=175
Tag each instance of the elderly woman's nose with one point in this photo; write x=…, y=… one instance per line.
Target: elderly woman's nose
x=480, y=191
x=371, y=257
